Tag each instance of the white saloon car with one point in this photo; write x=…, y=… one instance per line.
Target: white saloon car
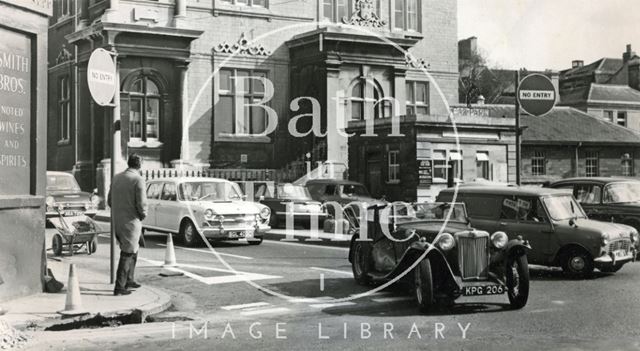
x=212, y=207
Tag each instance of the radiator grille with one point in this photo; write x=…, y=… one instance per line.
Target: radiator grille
x=619, y=245
x=473, y=256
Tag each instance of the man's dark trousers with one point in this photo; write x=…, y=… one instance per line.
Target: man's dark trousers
x=126, y=270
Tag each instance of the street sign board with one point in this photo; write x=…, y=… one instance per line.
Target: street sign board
x=536, y=94
x=101, y=76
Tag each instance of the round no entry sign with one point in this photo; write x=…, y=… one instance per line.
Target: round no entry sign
x=536, y=94
x=101, y=76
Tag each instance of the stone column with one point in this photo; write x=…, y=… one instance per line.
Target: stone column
x=335, y=114
x=185, y=155
x=84, y=14
x=180, y=14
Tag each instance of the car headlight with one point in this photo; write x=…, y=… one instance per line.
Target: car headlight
x=635, y=236
x=208, y=214
x=95, y=200
x=265, y=213
x=50, y=201
x=499, y=239
x=605, y=241
x=446, y=242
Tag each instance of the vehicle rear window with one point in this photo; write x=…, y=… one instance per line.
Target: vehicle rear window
x=481, y=206
x=169, y=192
x=153, y=190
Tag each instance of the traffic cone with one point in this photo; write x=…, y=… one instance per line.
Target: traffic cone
x=73, y=305
x=169, y=253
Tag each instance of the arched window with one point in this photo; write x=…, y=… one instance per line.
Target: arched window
x=141, y=103
x=367, y=100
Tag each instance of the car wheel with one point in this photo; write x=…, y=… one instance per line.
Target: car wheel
x=255, y=241
x=611, y=269
x=56, y=245
x=93, y=245
x=577, y=263
x=360, y=262
x=189, y=234
x=517, y=281
x=423, y=285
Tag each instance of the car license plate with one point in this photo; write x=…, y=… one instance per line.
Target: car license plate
x=483, y=290
x=72, y=213
x=620, y=253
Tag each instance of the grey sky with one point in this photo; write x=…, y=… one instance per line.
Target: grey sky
x=539, y=34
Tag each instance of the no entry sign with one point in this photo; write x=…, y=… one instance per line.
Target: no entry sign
x=536, y=94
x=101, y=77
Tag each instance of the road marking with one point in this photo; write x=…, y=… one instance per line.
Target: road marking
x=392, y=299
x=246, y=305
x=233, y=277
x=329, y=305
x=265, y=311
x=332, y=270
x=344, y=249
x=321, y=281
x=210, y=252
x=310, y=299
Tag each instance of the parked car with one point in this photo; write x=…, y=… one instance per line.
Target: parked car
x=606, y=199
x=65, y=197
x=283, y=198
x=212, y=207
x=451, y=258
x=553, y=222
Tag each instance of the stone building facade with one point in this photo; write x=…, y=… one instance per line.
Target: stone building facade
x=180, y=62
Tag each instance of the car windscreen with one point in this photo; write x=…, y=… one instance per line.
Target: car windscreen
x=62, y=182
x=438, y=211
x=290, y=191
x=621, y=192
x=563, y=207
x=209, y=191
x=354, y=190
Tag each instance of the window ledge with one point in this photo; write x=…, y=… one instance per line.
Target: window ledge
x=242, y=138
x=145, y=144
x=64, y=142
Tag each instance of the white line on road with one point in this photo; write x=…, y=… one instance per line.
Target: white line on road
x=329, y=305
x=310, y=299
x=332, y=270
x=393, y=299
x=246, y=305
x=265, y=311
x=210, y=252
x=344, y=249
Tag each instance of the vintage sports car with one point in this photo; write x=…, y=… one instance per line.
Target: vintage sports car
x=65, y=198
x=446, y=258
x=215, y=208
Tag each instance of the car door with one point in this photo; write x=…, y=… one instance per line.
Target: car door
x=168, y=208
x=153, y=198
x=532, y=223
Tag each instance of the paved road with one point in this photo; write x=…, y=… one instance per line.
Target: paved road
x=235, y=294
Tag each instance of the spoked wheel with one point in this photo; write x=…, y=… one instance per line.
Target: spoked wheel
x=517, y=281
x=92, y=246
x=423, y=285
x=189, y=234
x=56, y=244
x=360, y=262
x=577, y=263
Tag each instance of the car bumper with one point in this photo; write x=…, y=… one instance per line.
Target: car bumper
x=612, y=260
x=71, y=213
x=235, y=232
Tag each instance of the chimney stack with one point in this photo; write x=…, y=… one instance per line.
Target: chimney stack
x=577, y=63
x=629, y=54
x=634, y=73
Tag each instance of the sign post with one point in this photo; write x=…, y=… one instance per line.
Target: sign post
x=536, y=95
x=104, y=82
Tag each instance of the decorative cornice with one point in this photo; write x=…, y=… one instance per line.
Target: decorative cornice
x=365, y=15
x=415, y=62
x=242, y=47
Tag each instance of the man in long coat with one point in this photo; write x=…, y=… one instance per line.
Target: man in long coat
x=128, y=202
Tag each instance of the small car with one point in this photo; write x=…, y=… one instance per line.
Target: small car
x=65, y=198
x=553, y=222
x=432, y=248
x=215, y=208
x=287, y=198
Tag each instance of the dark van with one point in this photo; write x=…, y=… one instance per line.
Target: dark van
x=554, y=223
